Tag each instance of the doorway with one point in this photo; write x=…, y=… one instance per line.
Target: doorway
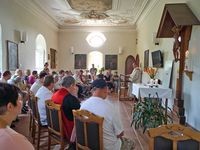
x=129, y=64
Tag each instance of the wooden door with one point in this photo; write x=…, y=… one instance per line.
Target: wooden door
x=129, y=64
x=53, y=58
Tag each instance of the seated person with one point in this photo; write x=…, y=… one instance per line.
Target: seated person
x=32, y=78
x=100, y=75
x=16, y=79
x=82, y=88
x=112, y=126
x=43, y=94
x=67, y=97
x=6, y=76
x=88, y=77
x=10, y=107
x=56, y=82
x=25, y=78
x=38, y=83
x=109, y=80
x=116, y=81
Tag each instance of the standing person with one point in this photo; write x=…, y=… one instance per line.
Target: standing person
x=46, y=69
x=112, y=126
x=10, y=107
x=43, y=94
x=93, y=72
x=135, y=77
x=6, y=76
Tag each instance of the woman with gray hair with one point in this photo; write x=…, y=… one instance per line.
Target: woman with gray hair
x=66, y=96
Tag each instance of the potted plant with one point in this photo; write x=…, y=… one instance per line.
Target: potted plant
x=148, y=113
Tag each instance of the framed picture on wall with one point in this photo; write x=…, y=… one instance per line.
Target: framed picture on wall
x=12, y=55
x=111, y=62
x=146, y=58
x=80, y=61
x=53, y=58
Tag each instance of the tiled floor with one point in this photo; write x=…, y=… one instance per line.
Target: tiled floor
x=125, y=108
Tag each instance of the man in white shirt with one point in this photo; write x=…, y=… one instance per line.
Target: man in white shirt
x=135, y=77
x=43, y=94
x=38, y=83
x=6, y=76
x=112, y=126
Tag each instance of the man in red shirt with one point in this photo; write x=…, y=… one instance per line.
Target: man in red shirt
x=66, y=96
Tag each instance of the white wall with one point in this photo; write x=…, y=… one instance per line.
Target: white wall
x=124, y=38
x=145, y=28
x=14, y=17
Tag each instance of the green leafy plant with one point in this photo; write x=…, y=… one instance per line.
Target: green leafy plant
x=102, y=69
x=149, y=113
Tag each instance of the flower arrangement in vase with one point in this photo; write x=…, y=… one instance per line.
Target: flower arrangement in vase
x=151, y=72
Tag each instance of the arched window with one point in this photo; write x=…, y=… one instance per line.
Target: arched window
x=40, y=53
x=95, y=58
x=1, y=49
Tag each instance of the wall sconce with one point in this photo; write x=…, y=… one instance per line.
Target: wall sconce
x=71, y=50
x=155, y=39
x=23, y=37
x=120, y=50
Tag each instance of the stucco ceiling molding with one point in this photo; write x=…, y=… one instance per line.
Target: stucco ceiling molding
x=35, y=10
x=88, y=5
x=147, y=11
x=71, y=28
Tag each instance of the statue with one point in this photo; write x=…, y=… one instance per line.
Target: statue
x=177, y=43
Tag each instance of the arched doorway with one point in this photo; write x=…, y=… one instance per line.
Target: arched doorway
x=41, y=52
x=95, y=58
x=129, y=64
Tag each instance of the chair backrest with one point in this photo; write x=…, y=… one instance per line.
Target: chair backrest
x=34, y=108
x=54, y=118
x=123, y=80
x=174, y=137
x=89, y=130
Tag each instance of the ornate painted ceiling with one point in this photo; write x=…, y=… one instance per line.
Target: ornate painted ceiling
x=93, y=12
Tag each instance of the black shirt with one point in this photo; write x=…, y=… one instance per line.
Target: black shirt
x=69, y=103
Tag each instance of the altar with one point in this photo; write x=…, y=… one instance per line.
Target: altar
x=152, y=91
x=141, y=91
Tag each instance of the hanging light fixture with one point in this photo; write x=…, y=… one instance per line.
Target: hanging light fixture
x=96, y=39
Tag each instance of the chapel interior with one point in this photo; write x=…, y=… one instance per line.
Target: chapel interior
x=73, y=35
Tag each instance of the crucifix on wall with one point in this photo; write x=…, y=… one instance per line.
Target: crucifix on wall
x=177, y=42
x=176, y=22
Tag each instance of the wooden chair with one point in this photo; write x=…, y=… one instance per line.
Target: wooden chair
x=89, y=130
x=37, y=127
x=31, y=122
x=123, y=87
x=173, y=137
x=55, y=126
